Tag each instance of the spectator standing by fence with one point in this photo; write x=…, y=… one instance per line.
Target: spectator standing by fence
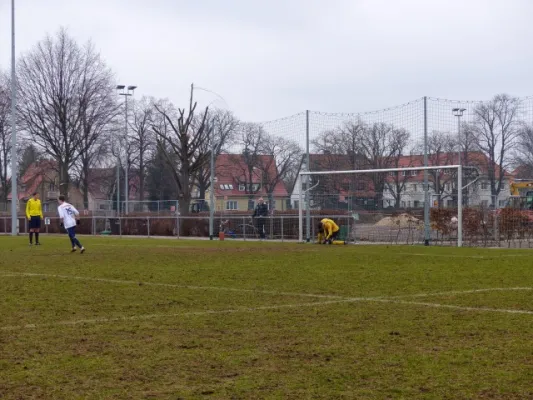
x=260, y=214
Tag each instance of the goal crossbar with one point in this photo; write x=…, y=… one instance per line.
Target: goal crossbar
x=459, y=169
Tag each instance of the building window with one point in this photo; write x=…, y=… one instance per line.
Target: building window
x=242, y=187
x=403, y=204
x=251, y=204
x=414, y=189
x=226, y=186
x=45, y=207
x=232, y=205
x=501, y=203
x=484, y=185
x=449, y=203
x=485, y=203
x=414, y=173
x=404, y=173
x=417, y=203
x=392, y=173
x=297, y=204
x=503, y=186
x=52, y=187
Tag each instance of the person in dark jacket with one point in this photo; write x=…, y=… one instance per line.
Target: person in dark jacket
x=260, y=214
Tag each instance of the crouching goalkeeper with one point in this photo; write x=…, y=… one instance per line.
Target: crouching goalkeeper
x=328, y=231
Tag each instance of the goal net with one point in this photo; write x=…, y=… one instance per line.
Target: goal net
x=408, y=205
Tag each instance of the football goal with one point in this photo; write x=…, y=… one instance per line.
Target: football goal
x=388, y=205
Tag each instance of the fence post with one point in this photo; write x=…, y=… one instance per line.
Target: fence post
x=93, y=225
x=120, y=226
x=282, y=228
x=148, y=226
x=244, y=228
x=178, y=225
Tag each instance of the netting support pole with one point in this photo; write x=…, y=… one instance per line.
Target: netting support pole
x=460, y=206
x=300, y=210
x=427, y=233
x=212, y=186
x=307, y=194
x=14, y=195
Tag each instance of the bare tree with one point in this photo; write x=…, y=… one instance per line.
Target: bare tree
x=5, y=139
x=379, y=145
x=495, y=128
x=340, y=151
x=142, y=139
x=281, y=158
x=225, y=126
x=185, y=141
x=397, y=182
x=524, y=152
x=246, y=165
x=65, y=94
x=442, y=150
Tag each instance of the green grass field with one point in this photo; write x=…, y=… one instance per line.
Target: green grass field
x=168, y=319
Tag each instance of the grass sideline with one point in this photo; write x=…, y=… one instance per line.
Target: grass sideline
x=149, y=319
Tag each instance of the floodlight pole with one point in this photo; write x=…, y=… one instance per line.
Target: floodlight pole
x=126, y=93
x=14, y=194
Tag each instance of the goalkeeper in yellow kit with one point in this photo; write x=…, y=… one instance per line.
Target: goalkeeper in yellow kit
x=328, y=231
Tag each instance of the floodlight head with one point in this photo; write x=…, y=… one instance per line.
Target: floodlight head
x=132, y=87
x=121, y=87
x=458, y=112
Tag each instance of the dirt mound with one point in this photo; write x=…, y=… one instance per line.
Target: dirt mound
x=399, y=221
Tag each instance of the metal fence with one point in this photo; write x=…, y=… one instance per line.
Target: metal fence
x=481, y=227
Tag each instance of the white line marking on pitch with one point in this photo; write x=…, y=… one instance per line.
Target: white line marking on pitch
x=454, y=307
x=185, y=314
x=170, y=285
x=459, y=292
x=464, y=256
x=260, y=308
x=335, y=300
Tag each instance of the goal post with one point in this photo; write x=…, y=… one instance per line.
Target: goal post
x=306, y=185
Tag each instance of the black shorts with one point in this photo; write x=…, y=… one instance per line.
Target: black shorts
x=35, y=222
x=334, y=236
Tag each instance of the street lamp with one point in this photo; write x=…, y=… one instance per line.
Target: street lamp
x=126, y=92
x=458, y=112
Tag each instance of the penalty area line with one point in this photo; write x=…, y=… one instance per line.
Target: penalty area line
x=171, y=285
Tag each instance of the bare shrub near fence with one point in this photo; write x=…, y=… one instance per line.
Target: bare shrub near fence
x=441, y=221
x=514, y=224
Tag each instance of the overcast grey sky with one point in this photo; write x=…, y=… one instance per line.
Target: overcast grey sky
x=274, y=58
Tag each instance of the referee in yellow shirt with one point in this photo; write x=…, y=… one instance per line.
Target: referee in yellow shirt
x=34, y=213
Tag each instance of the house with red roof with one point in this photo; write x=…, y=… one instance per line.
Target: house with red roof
x=240, y=180
x=443, y=182
x=335, y=191
x=43, y=177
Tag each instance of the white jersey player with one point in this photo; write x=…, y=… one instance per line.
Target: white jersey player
x=70, y=217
